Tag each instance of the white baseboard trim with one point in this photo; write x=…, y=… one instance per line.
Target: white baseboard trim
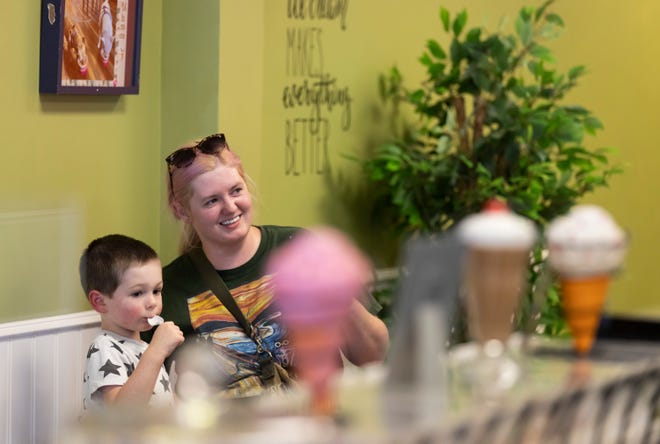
x=42, y=325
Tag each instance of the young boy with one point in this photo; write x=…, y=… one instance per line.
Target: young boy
x=123, y=281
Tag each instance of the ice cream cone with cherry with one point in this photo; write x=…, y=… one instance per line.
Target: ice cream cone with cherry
x=586, y=247
x=498, y=245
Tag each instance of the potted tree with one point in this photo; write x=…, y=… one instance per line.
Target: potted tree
x=490, y=120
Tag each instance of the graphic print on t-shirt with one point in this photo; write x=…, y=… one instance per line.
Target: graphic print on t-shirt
x=235, y=351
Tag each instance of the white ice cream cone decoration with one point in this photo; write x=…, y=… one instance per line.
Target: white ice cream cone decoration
x=585, y=248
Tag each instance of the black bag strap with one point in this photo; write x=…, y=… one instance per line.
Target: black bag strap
x=219, y=288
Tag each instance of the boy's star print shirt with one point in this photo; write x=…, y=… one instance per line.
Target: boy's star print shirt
x=111, y=359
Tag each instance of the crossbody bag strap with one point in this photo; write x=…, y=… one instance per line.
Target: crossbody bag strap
x=219, y=288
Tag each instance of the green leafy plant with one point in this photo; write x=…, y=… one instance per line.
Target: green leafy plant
x=489, y=120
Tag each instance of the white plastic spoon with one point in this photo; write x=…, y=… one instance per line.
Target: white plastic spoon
x=155, y=320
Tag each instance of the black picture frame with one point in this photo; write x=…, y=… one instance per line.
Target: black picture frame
x=90, y=46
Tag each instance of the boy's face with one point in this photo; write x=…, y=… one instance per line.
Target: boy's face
x=137, y=298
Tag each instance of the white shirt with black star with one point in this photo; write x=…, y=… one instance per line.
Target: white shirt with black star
x=111, y=359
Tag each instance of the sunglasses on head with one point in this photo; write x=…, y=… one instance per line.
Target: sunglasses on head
x=183, y=157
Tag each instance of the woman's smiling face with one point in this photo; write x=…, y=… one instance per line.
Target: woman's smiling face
x=220, y=206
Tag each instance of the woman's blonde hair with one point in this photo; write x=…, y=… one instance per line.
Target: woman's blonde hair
x=179, y=190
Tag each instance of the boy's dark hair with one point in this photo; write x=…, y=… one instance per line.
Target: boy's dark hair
x=105, y=260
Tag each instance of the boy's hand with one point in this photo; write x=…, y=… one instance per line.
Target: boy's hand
x=167, y=337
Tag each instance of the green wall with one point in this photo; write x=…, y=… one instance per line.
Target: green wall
x=618, y=43
x=190, y=90
x=75, y=168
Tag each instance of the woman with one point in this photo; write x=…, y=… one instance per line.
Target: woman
x=208, y=192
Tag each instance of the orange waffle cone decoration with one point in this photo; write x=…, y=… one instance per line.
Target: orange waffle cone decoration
x=582, y=302
x=317, y=359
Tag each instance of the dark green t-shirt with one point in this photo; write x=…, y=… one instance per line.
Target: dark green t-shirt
x=188, y=302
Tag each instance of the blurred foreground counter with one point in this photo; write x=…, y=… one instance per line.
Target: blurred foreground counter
x=613, y=396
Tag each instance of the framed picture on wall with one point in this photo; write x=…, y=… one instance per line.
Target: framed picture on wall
x=90, y=46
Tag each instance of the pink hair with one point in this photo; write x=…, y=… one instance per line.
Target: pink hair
x=179, y=190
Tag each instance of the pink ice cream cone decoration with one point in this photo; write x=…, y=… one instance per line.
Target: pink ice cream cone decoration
x=316, y=277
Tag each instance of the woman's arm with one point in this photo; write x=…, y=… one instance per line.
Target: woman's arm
x=365, y=336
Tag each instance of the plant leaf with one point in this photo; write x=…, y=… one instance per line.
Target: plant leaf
x=549, y=31
x=473, y=35
x=444, y=16
x=576, y=72
x=577, y=110
x=554, y=18
x=416, y=96
x=591, y=124
x=425, y=60
x=459, y=22
x=436, y=49
x=524, y=30
x=540, y=11
x=526, y=13
x=542, y=53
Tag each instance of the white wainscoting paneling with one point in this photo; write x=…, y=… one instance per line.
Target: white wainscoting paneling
x=41, y=374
